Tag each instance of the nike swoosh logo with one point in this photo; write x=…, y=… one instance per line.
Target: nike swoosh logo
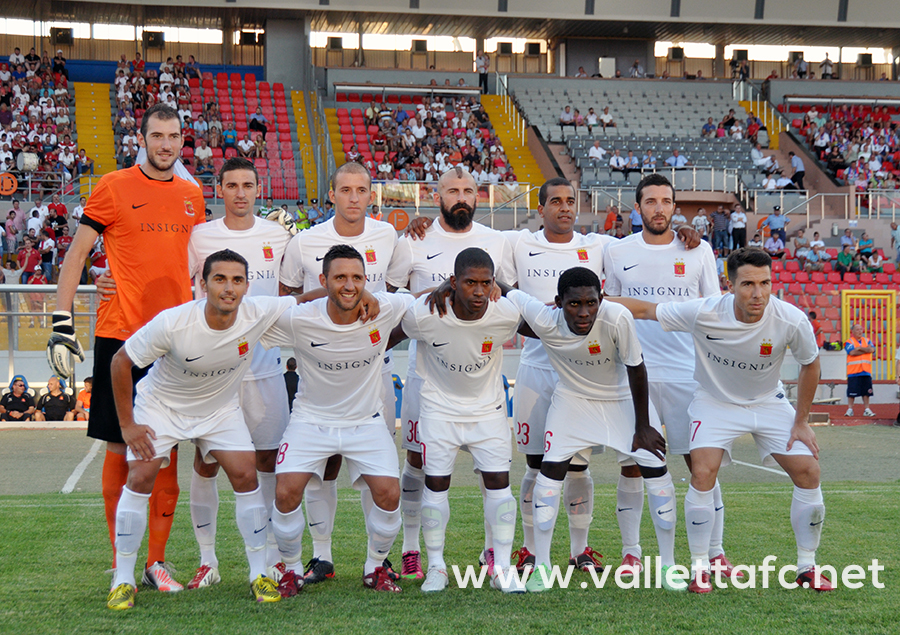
x=407, y=491
x=320, y=259
x=818, y=523
x=631, y=267
x=694, y=522
x=165, y=515
x=123, y=534
x=314, y=524
x=192, y=359
x=256, y=531
x=718, y=509
x=536, y=506
x=714, y=338
x=576, y=504
x=314, y=345
x=434, y=256
x=535, y=253
x=435, y=344
x=663, y=511
x=133, y=206
x=624, y=509
x=203, y=525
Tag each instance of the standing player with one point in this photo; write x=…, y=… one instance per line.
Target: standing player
x=540, y=258
x=420, y=265
x=351, y=193
x=595, y=350
x=262, y=243
x=145, y=215
x=739, y=344
x=203, y=349
x=462, y=404
x=655, y=266
x=338, y=411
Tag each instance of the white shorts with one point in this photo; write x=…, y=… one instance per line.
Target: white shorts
x=488, y=441
x=409, y=413
x=531, y=401
x=575, y=424
x=716, y=424
x=671, y=401
x=367, y=448
x=390, y=400
x=222, y=430
x=265, y=406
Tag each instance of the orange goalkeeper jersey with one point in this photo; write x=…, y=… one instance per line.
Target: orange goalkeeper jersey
x=146, y=226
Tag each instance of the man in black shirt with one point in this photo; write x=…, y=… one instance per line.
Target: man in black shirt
x=55, y=405
x=17, y=405
x=291, y=381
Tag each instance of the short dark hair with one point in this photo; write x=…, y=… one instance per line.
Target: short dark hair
x=813, y=315
x=472, y=257
x=352, y=167
x=291, y=363
x=161, y=112
x=88, y=380
x=652, y=179
x=340, y=251
x=747, y=256
x=225, y=255
x=238, y=163
x=577, y=277
x=554, y=182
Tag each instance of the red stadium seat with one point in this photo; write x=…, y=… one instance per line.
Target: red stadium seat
x=354, y=97
x=187, y=152
x=889, y=268
x=235, y=77
x=866, y=278
x=811, y=289
x=834, y=277
x=193, y=82
x=340, y=97
x=217, y=153
x=882, y=278
x=829, y=288
x=792, y=265
x=823, y=301
x=832, y=313
x=795, y=288
x=850, y=278
x=777, y=266
x=801, y=277
x=230, y=153
x=831, y=251
x=776, y=287
x=817, y=276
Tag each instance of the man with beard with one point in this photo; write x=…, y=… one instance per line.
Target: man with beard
x=419, y=265
x=654, y=265
x=145, y=215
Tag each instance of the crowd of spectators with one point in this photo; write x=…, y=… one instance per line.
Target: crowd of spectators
x=22, y=403
x=421, y=145
x=36, y=119
x=858, y=144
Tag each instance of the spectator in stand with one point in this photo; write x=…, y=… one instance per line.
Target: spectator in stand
x=813, y=260
x=637, y=70
x=63, y=242
x=482, y=66
x=83, y=402
x=799, y=170
x=47, y=250
x=649, y=161
x=709, y=129
x=775, y=247
x=258, y=121
x=895, y=240
x=721, y=237
x=259, y=146
x=581, y=74
x=606, y=119
x=32, y=61
x=801, y=247
x=677, y=160
x=596, y=154
x=229, y=137
x=55, y=405
x=761, y=161
x=566, y=118
x=17, y=404
x=16, y=58
x=776, y=223
x=192, y=68
x=59, y=65
x=865, y=247
x=203, y=151
x=738, y=227
x=591, y=120
x=245, y=146
x=700, y=223
x=205, y=171
x=875, y=263
x=632, y=163
x=826, y=68
x=678, y=219
x=84, y=163
x=37, y=301
x=845, y=261
x=201, y=128
x=617, y=162
x=847, y=240
x=756, y=242
x=801, y=66
x=56, y=206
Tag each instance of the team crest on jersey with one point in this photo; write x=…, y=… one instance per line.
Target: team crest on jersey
x=370, y=256
x=487, y=345
x=243, y=347
x=188, y=207
x=582, y=255
x=374, y=336
x=268, y=254
x=679, y=268
x=765, y=348
x=594, y=347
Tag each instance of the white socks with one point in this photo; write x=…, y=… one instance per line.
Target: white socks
x=526, y=508
x=435, y=514
x=629, y=509
x=807, y=516
x=267, y=487
x=715, y=541
x=253, y=522
x=546, y=508
x=383, y=527
x=412, y=484
x=661, y=496
x=288, y=528
x=500, y=515
x=699, y=514
x=321, y=506
x=131, y=523
x=578, y=497
x=204, y=510
x=488, y=531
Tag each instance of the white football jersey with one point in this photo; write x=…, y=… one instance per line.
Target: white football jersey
x=539, y=264
x=662, y=273
x=737, y=362
x=304, y=256
x=340, y=363
x=461, y=361
x=589, y=366
x=197, y=369
x=262, y=246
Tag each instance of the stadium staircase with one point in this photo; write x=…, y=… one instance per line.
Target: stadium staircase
x=519, y=154
x=334, y=131
x=764, y=111
x=306, y=156
x=94, y=133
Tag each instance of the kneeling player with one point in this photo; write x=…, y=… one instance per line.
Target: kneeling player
x=740, y=340
x=595, y=351
x=202, y=350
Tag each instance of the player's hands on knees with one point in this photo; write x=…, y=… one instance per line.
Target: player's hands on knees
x=370, y=306
x=648, y=438
x=437, y=299
x=140, y=439
x=689, y=236
x=417, y=226
x=804, y=433
x=106, y=286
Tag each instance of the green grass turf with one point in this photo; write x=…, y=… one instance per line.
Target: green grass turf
x=55, y=548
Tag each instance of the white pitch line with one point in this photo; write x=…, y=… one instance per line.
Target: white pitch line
x=75, y=476
x=760, y=467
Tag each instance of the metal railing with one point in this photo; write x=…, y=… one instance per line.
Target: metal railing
x=511, y=108
x=745, y=90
